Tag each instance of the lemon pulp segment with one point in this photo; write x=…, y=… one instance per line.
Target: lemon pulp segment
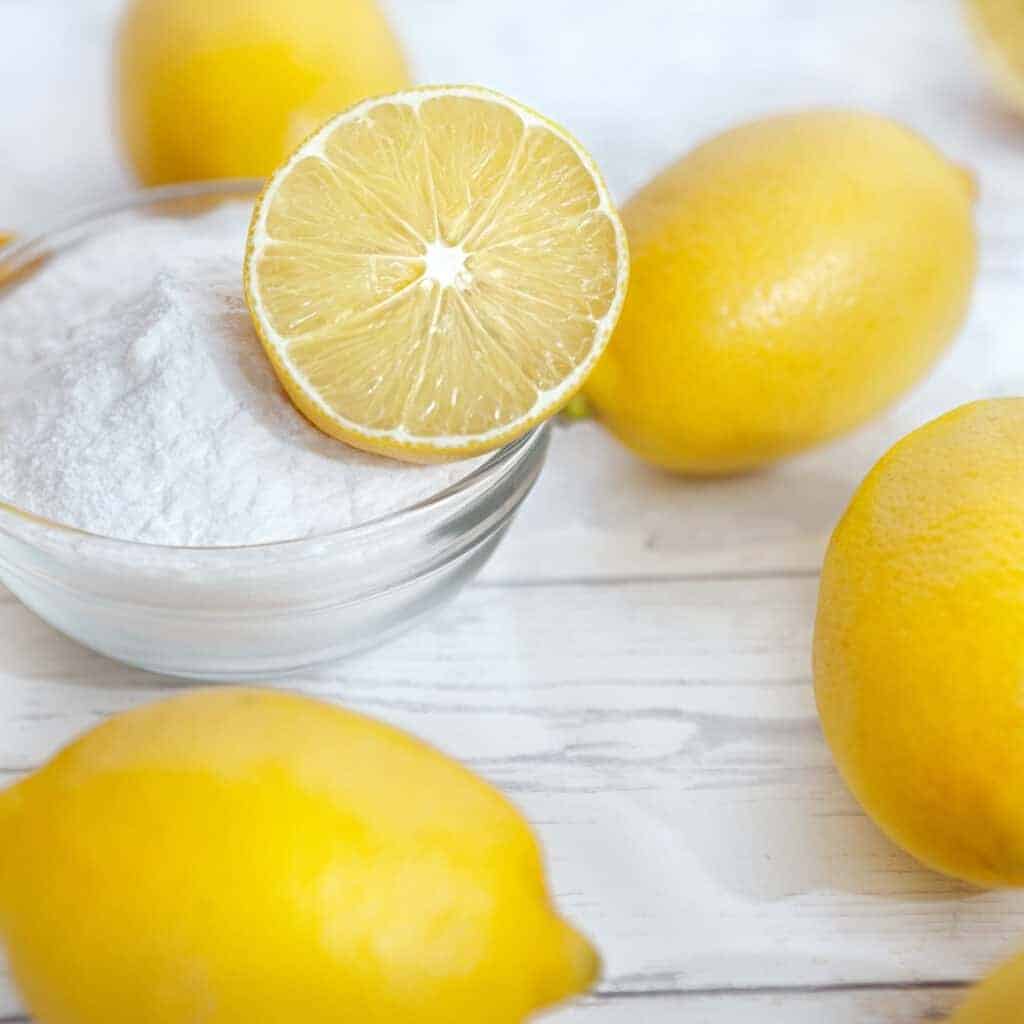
x=435, y=272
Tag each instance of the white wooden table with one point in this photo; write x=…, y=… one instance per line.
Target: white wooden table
x=633, y=666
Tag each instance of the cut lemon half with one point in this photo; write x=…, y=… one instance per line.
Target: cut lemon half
x=435, y=272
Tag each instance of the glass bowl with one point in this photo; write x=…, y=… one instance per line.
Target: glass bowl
x=238, y=613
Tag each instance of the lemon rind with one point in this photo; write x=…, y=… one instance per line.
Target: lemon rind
x=548, y=401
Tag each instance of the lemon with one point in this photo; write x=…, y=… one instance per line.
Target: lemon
x=435, y=272
x=919, y=644
x=234, y=856
x=226, y=88
x=999, y=28
x=997, y=1000
x=790, y=278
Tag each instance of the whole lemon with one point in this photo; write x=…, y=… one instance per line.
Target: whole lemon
x=790, y=278
x=238, y=855
x=997, y=1000
x=999, y=28
x=919, y=643
x=228, y=88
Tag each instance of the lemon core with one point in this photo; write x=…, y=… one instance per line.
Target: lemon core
x=445, y=265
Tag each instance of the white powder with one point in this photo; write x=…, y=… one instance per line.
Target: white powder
x=136, y=401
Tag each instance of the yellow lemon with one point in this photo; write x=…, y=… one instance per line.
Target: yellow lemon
x=997, y=1000
x=790, y=278
x=435, y=272
x=919, y=644
x=999, y=28
x=235, y=856
x=227, y=88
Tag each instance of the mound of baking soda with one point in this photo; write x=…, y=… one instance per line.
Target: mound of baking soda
x=158, y=418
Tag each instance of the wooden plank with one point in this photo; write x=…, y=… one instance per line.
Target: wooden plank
x=879, y=1006
x=663, y=738
x=661, y=734
x=56, y=58
x=598, y=512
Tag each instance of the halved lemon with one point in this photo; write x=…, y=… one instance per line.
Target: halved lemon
x=435, y=272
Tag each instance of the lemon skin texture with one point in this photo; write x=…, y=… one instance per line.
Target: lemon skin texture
x=999, y=30
x=790, y=279
x=234, y=856
x=997, y=1000
x=228, y=88
x=919, y=644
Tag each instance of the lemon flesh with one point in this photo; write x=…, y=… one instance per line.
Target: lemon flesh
x=919, y=643
x=435, y=272
x=224, y=89
x=239, y=855
x=791, y=277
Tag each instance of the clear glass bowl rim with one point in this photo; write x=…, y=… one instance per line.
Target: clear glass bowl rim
x=52, y=240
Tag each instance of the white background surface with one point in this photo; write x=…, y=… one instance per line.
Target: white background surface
x=633, y=666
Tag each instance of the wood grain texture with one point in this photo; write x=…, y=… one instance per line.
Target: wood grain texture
x=599, y=513
x=881, y=1006
x=633, y=667
x=661, y=736
x=875, y=1006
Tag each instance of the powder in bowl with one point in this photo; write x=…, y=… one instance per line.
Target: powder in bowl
x=159, y=419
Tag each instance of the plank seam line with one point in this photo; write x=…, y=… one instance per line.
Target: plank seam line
x=840, y=988
x=754, y=990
